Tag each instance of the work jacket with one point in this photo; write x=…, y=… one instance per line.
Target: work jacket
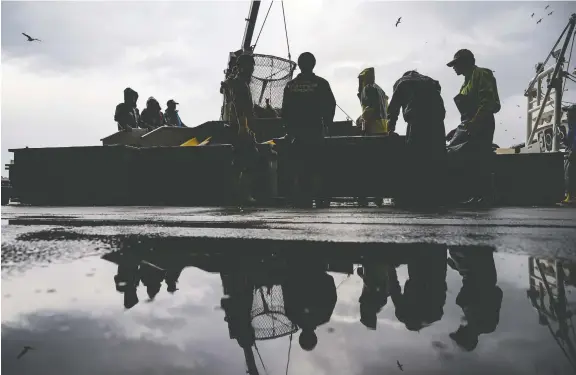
x=172, y=118
x=238, y=102
x=478, y=101
x=421, y=102
x=308, y=106
x=126, y=116
x=374, y=103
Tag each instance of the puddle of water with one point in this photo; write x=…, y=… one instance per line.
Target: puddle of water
x=478, y=313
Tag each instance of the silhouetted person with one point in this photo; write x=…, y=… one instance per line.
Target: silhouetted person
x=419, y=98
x=375, y=290
x=477, y=103
x=171, y=279
x=127, y=279
x=238, y=112
x=309, y=300
x=480, y=298
x=308, y=109
x=152, y=278
x=152, y=116
x=127, y=115
x=171, y=116
x=422, y=301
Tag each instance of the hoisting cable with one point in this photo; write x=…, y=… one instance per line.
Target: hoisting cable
x=349, y=118
x=289, y=348
x=261, y=361
x=286, y=31
x=262, y=27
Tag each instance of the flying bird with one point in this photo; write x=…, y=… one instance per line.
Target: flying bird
x=547, y=6
x=532, y=15
x=517, y=105
x=24, y=351
x=400, y=366
x=550, y=13
x=30, y=39
x=397, y=22
x=540, y=20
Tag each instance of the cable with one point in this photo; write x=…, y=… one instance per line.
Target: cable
x=349, y=118
x=569, y=59
x=289, y=348
x=286, y=31
x=262, y=27
x=261, y=361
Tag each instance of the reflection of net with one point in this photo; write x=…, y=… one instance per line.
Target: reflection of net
x=270, y=76
x=269, y=318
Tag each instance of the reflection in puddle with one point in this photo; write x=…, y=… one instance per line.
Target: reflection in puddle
x=423, y=309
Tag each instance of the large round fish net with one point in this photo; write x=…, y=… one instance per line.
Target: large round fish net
x=269, y=318
x=270, y=76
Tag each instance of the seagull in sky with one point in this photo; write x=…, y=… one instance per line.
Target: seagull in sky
x=540, y=20
x=400, y=366
x=550, y=13
x=547, y=6
x=24, y=351
x=30, y=39
x=397, y=22
x=532, y=15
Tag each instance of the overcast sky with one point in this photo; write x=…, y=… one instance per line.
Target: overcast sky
x=63, y=91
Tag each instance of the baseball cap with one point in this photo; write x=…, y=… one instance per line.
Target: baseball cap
x=171, y=101
x=462, y=55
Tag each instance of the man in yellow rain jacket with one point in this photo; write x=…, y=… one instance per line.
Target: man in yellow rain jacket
x=477, y=103
x=374, y=104
x=374, y=111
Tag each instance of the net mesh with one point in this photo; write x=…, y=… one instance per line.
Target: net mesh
x=270, y=76
x=269, y=318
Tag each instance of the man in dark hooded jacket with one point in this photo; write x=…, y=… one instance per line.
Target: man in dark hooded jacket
x=423, y=108
x=127, y=115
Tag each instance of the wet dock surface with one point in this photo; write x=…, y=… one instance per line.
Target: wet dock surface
x=182, y=290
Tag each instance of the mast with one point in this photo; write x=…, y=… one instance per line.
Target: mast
x=250, y=25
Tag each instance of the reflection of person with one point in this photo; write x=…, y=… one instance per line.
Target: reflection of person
x=172, y=276
x=375, y=290
x=127, y=280
x=309, y=300
x=480, y=298
x=152, y=278
x=422, y=302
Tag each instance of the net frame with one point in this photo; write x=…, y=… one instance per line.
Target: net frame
x=268, y=314
x=271, y=74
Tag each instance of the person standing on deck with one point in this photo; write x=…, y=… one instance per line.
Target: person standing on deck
x=308, y=109
x=419, y=97
x=477, y=103
x=238, y=112
x=373, y=119
x=152, y=116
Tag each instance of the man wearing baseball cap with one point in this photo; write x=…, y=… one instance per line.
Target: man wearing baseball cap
x=171, y=115
x=477, y=103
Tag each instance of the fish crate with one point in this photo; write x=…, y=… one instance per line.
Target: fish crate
x=203, y=175
x=92, y=175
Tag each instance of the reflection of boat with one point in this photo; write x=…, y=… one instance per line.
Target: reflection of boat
x=548, y=281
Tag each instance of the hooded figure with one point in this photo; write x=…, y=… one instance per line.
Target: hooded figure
x=374, y=104
x=127, y=115
x=152, y=116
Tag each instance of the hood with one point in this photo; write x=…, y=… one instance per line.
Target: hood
x=152, y=103
x=129, y=94
x=367, y=76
